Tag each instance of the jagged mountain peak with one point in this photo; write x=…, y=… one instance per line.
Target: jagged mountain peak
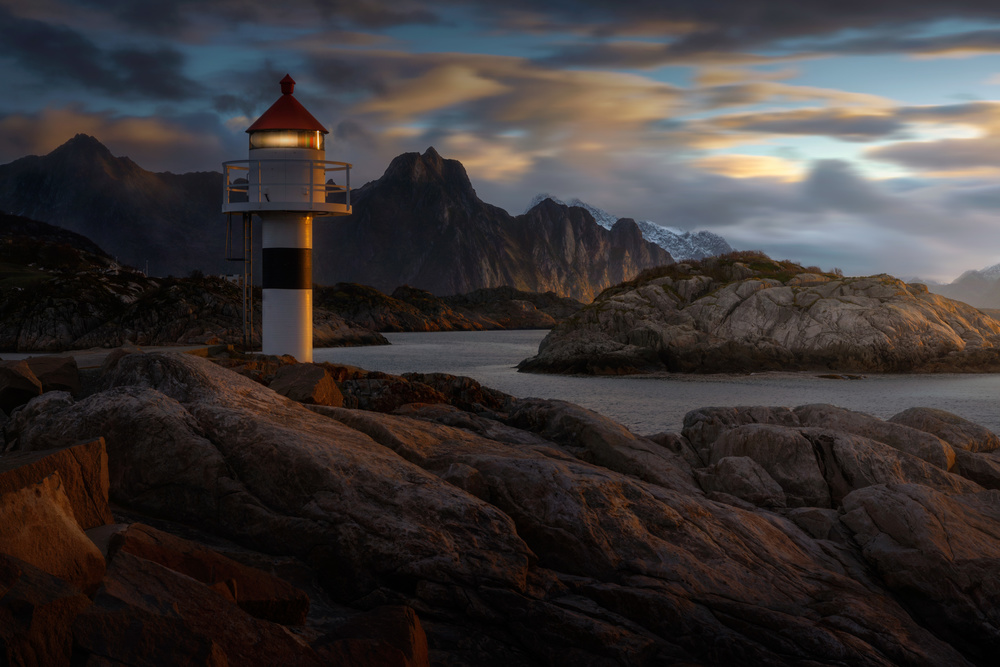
x=681, y=244
x=427, y=167
x=991, y=272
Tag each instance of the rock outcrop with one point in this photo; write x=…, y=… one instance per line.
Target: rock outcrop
x=131, y=594
x=516, y=309
x=744, y=312
x=421, y=224
x=524, y=531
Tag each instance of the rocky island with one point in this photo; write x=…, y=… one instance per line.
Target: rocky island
x=170, y=508
x=744, y=312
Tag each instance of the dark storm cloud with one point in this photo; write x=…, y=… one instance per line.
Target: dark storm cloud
x=987, y=198
x=834, y=185
x=179, y=16
x=720, y=29
x=895, y=42
x=943, y=155
x=838, y=123
x=63, y=55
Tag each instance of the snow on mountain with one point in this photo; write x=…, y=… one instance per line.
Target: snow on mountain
x=991, y=272
x=682, y=245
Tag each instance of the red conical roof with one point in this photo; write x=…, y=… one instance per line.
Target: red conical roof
x=287, y=113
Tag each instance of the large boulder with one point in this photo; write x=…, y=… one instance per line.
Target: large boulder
x=958, y=432
x=18, y=385
x=37, y=526
x=785, y=454
x=921, y=444
x=36, y=614
x=983, y=469
x=258, y=593
x=147, y=614
x=704, y=425
x=744, y=478
x=603, y=441
x=56, y=373
x=307, y=383
x=83, y=469
x=851, y=462
x=545, y=536
x=389, y=636
x=650, y=569
x=938, y=553
x=214, y=448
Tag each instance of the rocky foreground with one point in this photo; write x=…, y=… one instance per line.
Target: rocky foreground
x=744, y=312
x=424, y=519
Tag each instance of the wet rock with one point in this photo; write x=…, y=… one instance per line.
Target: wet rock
x=18, y=385
x=147, y=614
x=36, y=614
x=37, y=526
x=958, y=432
x=744, y=478
x=307, y=383
x=921, y=444
x=258, y=593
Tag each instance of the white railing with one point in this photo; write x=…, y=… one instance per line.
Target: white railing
x=286, y=185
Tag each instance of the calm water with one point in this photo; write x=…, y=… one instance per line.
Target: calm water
x=649, y=405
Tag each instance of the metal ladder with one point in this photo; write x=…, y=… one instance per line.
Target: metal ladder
x=246, y=279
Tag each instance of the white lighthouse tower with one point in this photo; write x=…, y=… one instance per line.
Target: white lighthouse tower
x=287, y=183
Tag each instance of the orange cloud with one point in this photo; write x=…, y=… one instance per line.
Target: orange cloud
x=751, y=166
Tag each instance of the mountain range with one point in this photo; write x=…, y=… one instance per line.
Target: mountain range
x=420, y=224
x=681, y=244
x=978, y=288
x=167, y=222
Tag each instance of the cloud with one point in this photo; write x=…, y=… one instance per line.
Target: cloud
x=750, y=166
x=65, y=56
x=443, y=86
x=941, y=156
x=756, y=92
x=834, y=185
x=184, y=17
x=845, y=124
x=158, y=144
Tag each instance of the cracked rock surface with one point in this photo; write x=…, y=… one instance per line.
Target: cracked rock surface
x=536, y=532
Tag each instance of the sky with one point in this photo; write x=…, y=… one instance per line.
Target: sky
x=861, y=135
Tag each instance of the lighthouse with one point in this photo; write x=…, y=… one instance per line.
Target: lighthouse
x=287, y=182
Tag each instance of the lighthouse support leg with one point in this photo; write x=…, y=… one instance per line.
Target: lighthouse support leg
x=286, y=326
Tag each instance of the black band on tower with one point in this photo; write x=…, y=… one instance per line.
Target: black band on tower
x=287, y=268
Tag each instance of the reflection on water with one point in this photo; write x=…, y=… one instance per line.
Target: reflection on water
x=649, y=405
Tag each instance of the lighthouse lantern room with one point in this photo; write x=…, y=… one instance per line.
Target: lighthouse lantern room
x=286, y=183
